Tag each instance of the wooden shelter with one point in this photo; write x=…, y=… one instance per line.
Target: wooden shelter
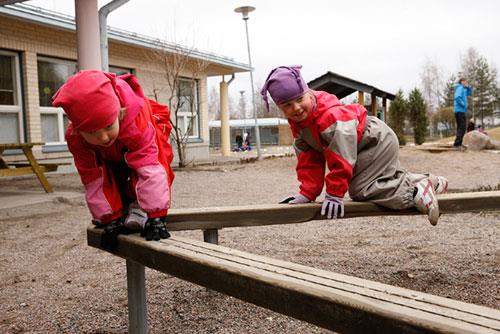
x=342, y=86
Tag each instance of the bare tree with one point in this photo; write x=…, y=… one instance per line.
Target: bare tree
x=445, y=117
x=181, y=71
x=213, y=104
x=231, y=105
x=431, y=85
x=468, y=63
x=241, y=112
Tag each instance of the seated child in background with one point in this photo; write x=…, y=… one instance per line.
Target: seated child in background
x=246, y=142
x=119, y=142
x=239, y=143
x=471, y=126
x=361, y=152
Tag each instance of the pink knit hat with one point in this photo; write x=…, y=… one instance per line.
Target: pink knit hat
x=284, y=84
x=89, y=99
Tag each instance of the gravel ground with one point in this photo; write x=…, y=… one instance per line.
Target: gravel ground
x=52, y=282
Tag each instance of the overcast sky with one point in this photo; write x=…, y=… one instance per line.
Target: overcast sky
x=382, y=43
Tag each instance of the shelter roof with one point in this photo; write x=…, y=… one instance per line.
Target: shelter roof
x=342, y=86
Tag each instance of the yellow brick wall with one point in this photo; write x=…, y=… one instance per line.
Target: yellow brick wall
x=42, y=40
x=32, y=40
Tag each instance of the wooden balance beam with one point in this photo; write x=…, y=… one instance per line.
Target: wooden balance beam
x=333, y=301
x=337, y=302
x=210, y=220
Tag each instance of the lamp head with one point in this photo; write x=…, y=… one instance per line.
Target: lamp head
x=244, y=10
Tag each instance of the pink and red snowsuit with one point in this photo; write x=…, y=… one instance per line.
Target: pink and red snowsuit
x=136, y=167
x=361, y=152
x=330, y=133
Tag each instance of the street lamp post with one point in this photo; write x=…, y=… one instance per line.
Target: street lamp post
x=244, y=10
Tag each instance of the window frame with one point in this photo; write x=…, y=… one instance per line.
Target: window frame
x=187, y=115
x=45, y=110
x=17, y=107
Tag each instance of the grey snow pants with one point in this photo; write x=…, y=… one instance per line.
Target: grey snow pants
x=377, y=175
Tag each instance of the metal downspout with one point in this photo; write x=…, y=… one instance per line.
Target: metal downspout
x=103, y=29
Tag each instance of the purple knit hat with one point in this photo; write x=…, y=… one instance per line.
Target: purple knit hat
x=284, y=84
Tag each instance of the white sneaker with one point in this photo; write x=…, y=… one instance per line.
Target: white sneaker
x=136, y=218
x=441, y=186
x=440, y=183
x=425, y=200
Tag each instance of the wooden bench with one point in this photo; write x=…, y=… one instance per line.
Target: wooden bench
x=333, y=301
x=32, y=166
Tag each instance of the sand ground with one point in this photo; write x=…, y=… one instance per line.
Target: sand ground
x=52, y=282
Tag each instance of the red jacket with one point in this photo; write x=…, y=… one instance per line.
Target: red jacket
x=142, y=143
x=330, y=134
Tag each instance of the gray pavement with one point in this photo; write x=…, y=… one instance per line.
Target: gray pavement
x=19, y=198
x=15, y=197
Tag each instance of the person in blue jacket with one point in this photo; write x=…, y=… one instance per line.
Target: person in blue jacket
x=462, y=90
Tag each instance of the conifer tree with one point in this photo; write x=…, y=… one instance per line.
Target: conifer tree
x=448, y=92
x=418, y=115
x=397, y=116
x=485, y=90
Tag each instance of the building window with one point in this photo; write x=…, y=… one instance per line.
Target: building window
x=52, y=74
x=188, y=111
x=120, y=70
x=11, y=112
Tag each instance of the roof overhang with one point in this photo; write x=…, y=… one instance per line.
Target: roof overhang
x=218, y=65
x=9, y=2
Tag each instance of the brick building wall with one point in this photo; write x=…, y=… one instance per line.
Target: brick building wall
x=31, y=40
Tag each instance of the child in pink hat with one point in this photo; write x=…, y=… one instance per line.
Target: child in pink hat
x=119, y=142
x=360, y=151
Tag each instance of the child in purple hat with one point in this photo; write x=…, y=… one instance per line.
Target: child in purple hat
x=361, y=152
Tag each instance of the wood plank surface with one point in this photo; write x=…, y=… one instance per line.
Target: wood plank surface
x=270, y=214
x=50, y=166
x=24, y=170
x=333, y=301
x=13, y=146
x=36, y=169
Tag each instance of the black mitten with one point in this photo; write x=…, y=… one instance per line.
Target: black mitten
x=109, y=239
x=155, y=229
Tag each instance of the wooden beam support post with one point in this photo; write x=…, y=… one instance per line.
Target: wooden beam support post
x=361, y=98
x=136, y=288
x=374, y=105
x=384, y=109
x=211, y=236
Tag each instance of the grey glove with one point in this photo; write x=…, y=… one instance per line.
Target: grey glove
x=332, y=207
x=136, y=218
x=295, y=199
